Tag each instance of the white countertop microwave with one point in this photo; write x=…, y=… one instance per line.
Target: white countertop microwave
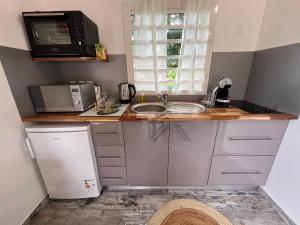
x=63, y=97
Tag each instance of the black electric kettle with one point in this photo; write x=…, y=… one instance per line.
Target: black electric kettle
x=126, y=92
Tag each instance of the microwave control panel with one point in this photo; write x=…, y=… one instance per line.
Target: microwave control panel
x=76, y=96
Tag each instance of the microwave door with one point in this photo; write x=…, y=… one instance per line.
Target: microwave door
x=51, y=35
x=57, y=98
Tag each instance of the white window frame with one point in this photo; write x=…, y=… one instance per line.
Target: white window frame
x=174, y=6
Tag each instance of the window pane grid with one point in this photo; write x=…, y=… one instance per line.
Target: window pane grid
x=157, y=66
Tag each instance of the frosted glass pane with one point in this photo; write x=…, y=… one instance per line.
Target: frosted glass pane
x=168, y=86
x=142, y=35
x=185, y=75
x=144, y=20
x=190, y=34
x=145, y=86
x=161, y=50
x=144, y=75
x=198, y=86
x=187, y=63
x=161, y=35
x=199, y=62
x=203, y=18
x=199, y=74
x=201, y=49
x=142, y=50
x=202, y=35
x=146, y=63
x=185, y=86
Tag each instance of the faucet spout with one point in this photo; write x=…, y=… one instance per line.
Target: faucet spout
x=163, y=98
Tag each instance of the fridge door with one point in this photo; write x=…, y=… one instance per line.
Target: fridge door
x=67, y=163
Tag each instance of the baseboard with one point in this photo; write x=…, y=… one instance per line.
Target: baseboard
x=281, y=212
x=205, y=187
x=37, y=209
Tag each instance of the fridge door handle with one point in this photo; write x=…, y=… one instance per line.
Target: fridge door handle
x=30, y=149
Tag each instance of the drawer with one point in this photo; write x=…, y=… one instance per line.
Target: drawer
x=106, y=127
x=249, y=137
x=107, y=133
x=241, y=170
x=117, y=150
x=110, y=155
x=113, y=175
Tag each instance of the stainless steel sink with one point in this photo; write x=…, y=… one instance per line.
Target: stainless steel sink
x=171, y=107
x=185, y=107
x=148, y=108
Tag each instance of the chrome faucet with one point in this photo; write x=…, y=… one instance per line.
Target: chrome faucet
x=163, y=98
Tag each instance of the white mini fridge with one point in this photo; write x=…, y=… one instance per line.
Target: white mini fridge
x=66, y=158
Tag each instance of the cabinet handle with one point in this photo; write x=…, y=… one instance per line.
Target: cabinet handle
x=240, y=172
x=160, y=131
x=106, y=134
x=250, y=139
x=29, y=147
x=110, y=157
x=182, y=133
x=112, y=178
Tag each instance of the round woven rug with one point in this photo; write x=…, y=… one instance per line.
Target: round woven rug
x=187, y=212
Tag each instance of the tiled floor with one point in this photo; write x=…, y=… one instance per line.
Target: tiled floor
x=135, y=207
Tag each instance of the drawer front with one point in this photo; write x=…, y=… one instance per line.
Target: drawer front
x=107, y=133
x=243, y=170
x=249, y=137
x=106, y=127
x=113, y=175
x=110, y=155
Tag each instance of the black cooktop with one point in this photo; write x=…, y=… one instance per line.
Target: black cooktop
x=250, y=107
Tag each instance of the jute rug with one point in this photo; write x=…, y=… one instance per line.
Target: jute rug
x=187, y=212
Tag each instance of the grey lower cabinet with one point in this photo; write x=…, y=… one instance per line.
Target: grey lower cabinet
x=190, y=151
x=245, y=151
x=146, y=147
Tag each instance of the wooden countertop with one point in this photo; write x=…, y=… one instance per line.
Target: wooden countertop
x=231, y=113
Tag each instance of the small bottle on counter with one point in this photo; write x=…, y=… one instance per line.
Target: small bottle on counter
x=142, y=97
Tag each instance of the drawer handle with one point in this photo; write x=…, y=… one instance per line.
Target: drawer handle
x=250, y=139
x=240, y=172
x=110, y=157
x=112, y=178
x=106, y=134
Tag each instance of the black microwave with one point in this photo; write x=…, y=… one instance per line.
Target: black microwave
x=60, y=33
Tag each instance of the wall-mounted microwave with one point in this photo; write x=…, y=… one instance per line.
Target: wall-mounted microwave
x=60, y=33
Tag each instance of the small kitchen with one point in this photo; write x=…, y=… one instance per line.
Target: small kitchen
x=150, y=112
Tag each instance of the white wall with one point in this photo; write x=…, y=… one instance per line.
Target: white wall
x=280, y=25
x=284, y=183
x=107, y=15
x=235, y=15
x=21, y=186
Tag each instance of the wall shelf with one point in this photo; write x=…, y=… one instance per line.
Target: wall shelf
x=66, y=59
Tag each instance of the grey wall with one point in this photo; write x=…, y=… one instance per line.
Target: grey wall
x=275, y=79
x=108, y=75
x=235, y=65
x=21, y=72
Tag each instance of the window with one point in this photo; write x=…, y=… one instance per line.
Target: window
x=168, y=52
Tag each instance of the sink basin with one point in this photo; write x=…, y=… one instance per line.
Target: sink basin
x=185, y=107
x=171, y=107
x=148, y=108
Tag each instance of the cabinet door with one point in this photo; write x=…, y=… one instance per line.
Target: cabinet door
x=146, y=149
x=190, y=152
